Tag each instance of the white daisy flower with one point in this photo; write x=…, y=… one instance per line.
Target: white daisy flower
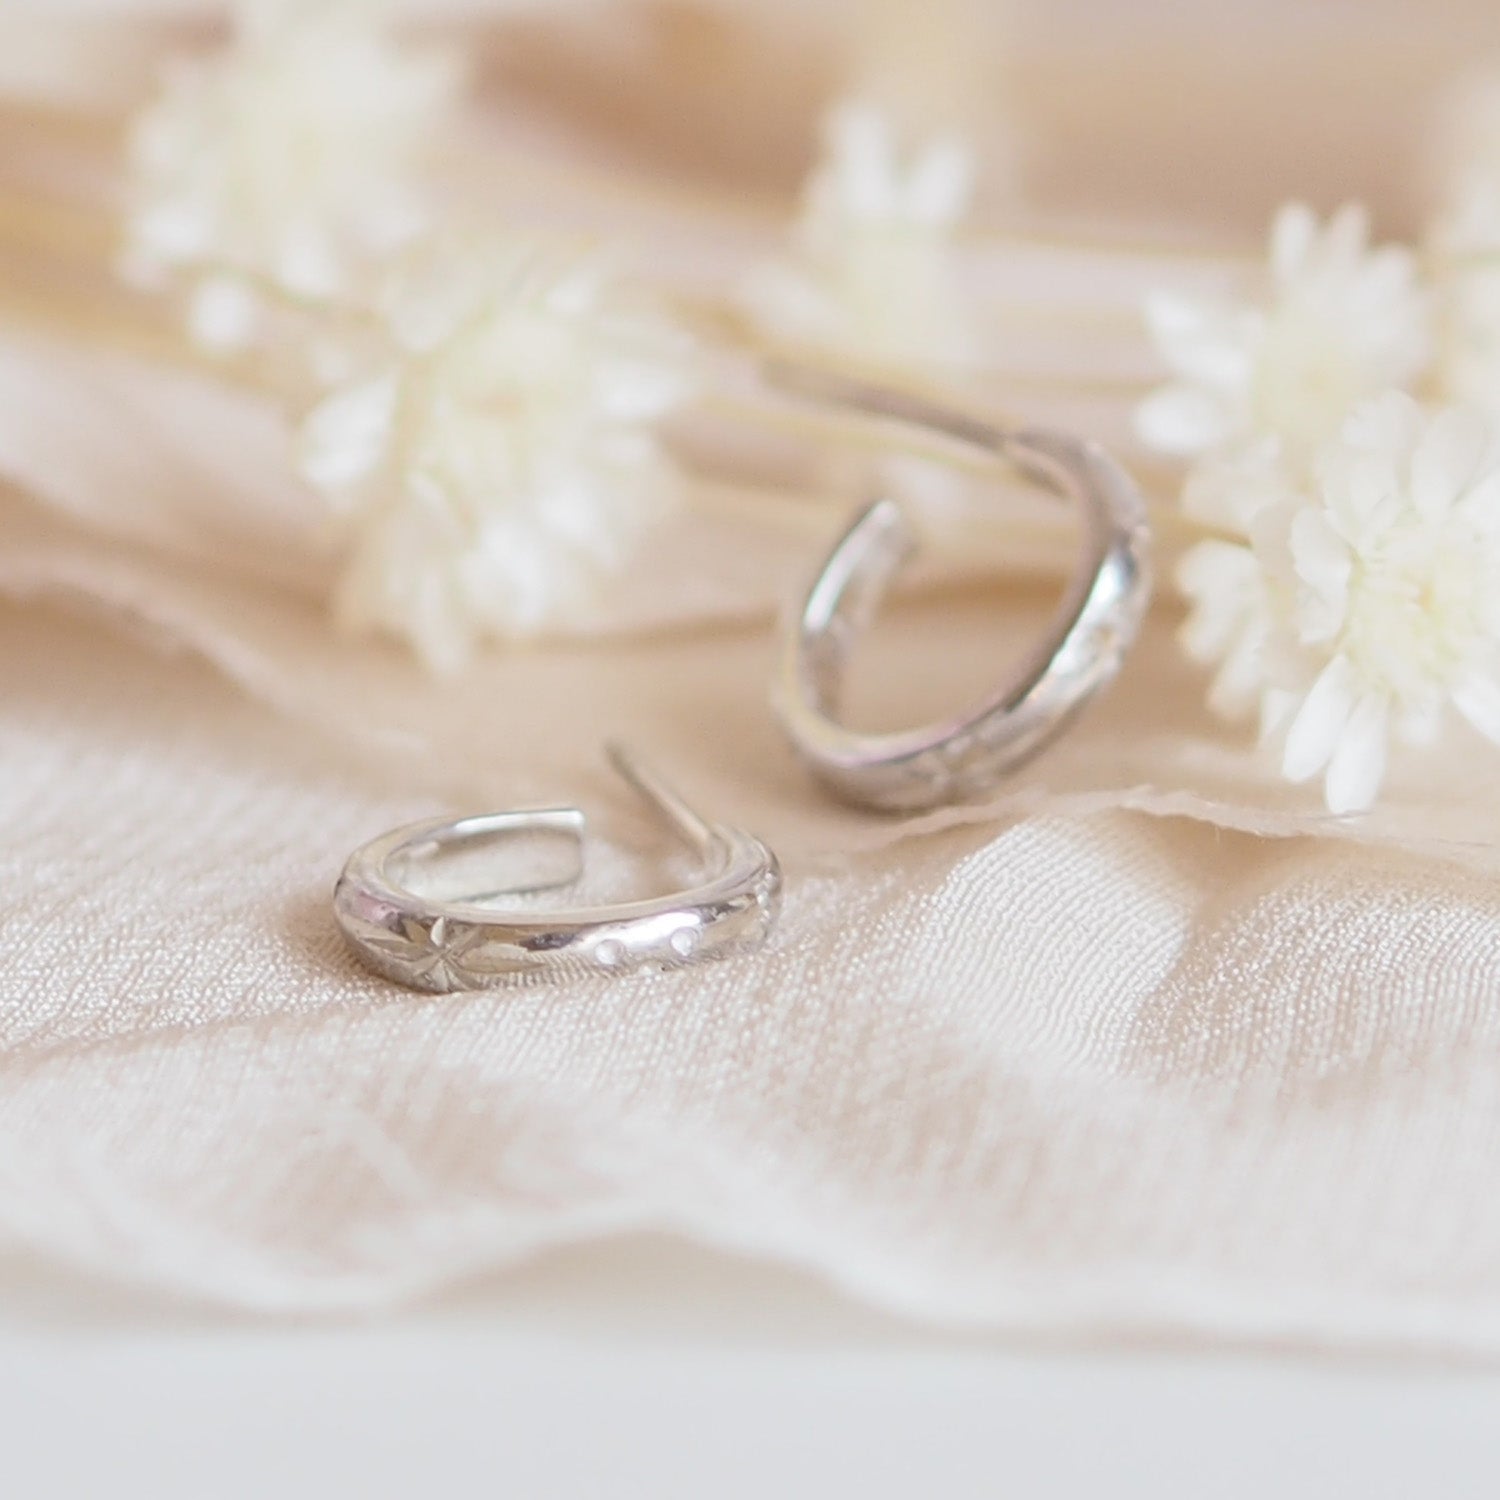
x=1367, y=600
x=293, y=158
x=873, y=271
x=500, y=463
x=1339, y=322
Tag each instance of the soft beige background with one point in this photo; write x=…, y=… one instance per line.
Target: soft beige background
x=1148, y=1045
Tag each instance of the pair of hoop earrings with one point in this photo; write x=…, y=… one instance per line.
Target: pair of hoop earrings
x=416, y=908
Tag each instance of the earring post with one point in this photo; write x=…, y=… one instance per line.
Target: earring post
x=692, y=829
x=884, y=403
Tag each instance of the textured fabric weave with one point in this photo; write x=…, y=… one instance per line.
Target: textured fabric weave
x=1147, y=1044
x=1086, y=1070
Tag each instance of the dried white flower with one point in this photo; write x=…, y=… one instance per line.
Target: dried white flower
x=873, y=273
x=1367, y=599
x=292, y=159
x=1340, y=322
x=499, y=462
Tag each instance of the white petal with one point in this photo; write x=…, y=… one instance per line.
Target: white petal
x=1360, y=487
x=854, y=128
x=1207, y=635
x=1358, y=764
x=1324, y=565
x=1477, y=698
x=1385, y=288
x=861, y=162
x=1182, y=420
x=1270, y=532
x=1315, y=731
x=1222, y=571
x=1277, y=706
x=942, y=184
x=1200, y=340
x=307, y=263
x=401, y=579
x=1345, y=238
x=1240, y=682
x=177, y=231
x=223, y=313
x=1445, y=460
x=1172, y=318
x=1293, y=233
x=425, y=306
x=1387, y=424
x=1421, y=721
x=785, y=300
x=1321, y=555
x=580, y=292
x=1481, y=505
x=346, y=436
x=1231, y=490
x=638, y=391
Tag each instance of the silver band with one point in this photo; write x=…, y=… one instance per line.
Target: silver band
x=962, y=758
x=410, y=902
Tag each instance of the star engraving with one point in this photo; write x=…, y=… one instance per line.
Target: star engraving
x=432, y=954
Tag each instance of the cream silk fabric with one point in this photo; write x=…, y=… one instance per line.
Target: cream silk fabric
x=1147, y=1045
x=1074, y=1067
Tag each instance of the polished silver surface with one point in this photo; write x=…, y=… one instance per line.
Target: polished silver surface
x=962, y=758
x=416, y=906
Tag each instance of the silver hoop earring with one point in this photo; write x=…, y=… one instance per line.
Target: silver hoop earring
x=408, y=906
x=960, y=759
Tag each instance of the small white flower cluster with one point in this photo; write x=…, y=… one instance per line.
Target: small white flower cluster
x=497, y=461
x=287, y=163
x=1339, y=322
x=1351, y=593
x=873, y=271
x=493, y=460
